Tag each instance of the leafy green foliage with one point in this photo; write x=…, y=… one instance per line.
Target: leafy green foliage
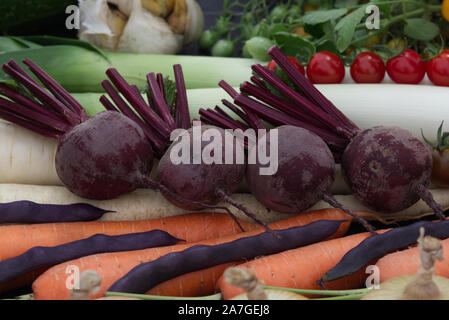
x=338, y=26
x=295, y=46
x=345, y=28
x=421, y=29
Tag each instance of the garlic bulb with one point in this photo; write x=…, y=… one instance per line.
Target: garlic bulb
x=140, y=26
x=147, y=33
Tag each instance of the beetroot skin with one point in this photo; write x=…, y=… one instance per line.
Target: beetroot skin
x=198, y=182
x=306, y=171
x=104, y=157
x=383, y=166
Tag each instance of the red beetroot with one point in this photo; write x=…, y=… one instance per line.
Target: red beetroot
x=104, y=157
x=387, y=168
x=305, y=172
x=384, y=166
x=98, y=158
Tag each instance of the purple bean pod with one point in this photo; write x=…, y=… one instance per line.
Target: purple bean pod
x=44, y=257
x=147, y=275
x=377, y=246
x=31, y=212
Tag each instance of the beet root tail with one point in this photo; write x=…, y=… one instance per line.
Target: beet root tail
x=334, y=203
x=147, y=182
x=427, y=197
x=242, y=208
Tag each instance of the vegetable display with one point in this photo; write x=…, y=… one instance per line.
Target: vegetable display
x=51, y=284
x=130, y=173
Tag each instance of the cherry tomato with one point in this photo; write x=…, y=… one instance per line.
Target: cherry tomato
x=325, y=67
x=440, y=169
x=445, y=9
x=222, y=48
x=438, y=69
x=208, y=39
x=396, y=44
x=272, y=65
x=368, y=67
x=407, y=67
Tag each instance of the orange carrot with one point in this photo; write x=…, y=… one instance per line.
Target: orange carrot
x=16, y=239
x=113, y=266
x=301, y=268
x=408, y=262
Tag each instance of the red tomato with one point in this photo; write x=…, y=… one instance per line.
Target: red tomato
x=368, y=67
x=408, y=67
x=438, y=69
x=272, y=65
x=325, y=67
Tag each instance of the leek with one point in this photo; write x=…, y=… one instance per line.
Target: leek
x=80, y=67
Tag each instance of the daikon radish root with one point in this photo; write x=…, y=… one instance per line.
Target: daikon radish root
x=26, y=157
x=147, y=204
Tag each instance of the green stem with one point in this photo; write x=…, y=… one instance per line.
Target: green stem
x=152, y=297
x=410, y=14
x=322, y=292
x=347, y=297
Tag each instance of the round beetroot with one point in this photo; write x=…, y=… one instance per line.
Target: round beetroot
x=202, y=183
x=384, y=167
x=104, y=157
x=305, y=172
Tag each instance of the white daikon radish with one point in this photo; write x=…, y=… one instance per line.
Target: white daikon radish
x=145, y=204
x=26, y=157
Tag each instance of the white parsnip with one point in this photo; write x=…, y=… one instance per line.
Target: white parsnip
x=26, y=157
x=145, y=204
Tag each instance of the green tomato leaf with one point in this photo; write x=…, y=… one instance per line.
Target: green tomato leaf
x=421, y=29
x=320, y=16
x=385, y=8
x=327, y=45
x=295, y=46
x=345, y=28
